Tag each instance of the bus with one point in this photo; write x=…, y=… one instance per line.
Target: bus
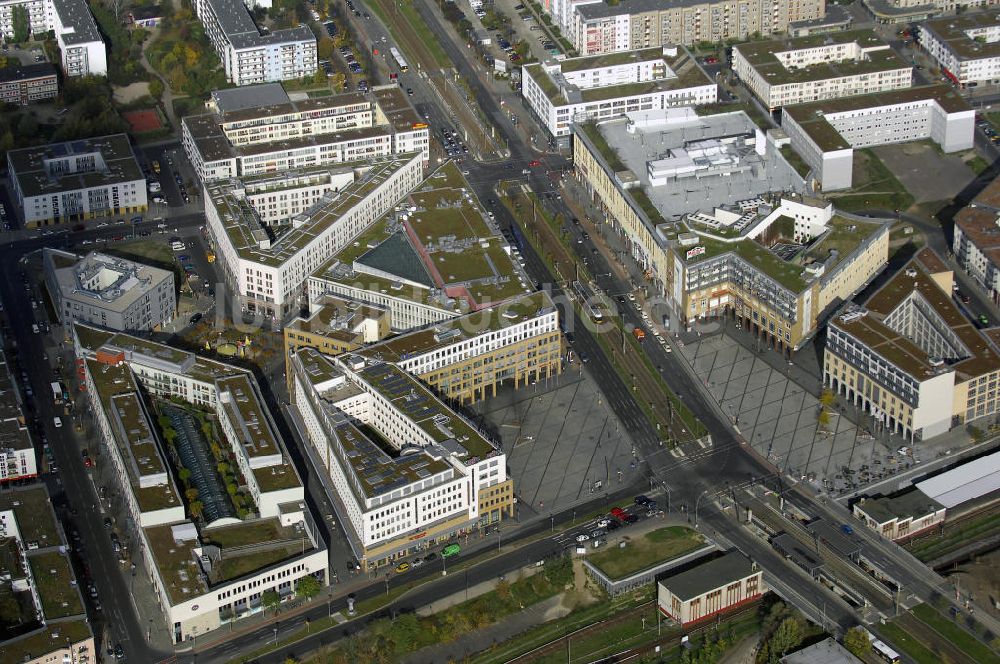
x=398, y=57
x=884, y=652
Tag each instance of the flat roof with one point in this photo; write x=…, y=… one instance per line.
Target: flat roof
x=456, y=330
x=40, y=642
x=436, y=248
x=968, y=481
x=245, y=97
x=241, y=31
x=814, y=120
x=626, y=154
x=907, y=504
x=706, y=576
x=13, y=429
x=30, y=72
x=952, y=31
x=33, y=178
x=105, y=281
x=827, y=651
x=34, y=514
x=75, y=14
x=242, y=223
x=337, y=318
x=877, y=57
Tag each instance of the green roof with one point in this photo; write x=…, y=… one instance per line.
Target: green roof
x=33, y=511
x=55, y=584
x=39, y=643
x=953, y=32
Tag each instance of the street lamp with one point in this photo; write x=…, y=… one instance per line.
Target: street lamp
x=696, y=504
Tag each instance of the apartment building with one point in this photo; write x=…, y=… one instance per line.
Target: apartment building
x=911, y=358
x=976, y=241
x=901, y=515
x=250, y=55
x=18, y=459
x=26, y=84
x=709, y=209
x=966, y=47
x=403, y=470
x=596, y=27
x=108, y=291
x=782, y=72
x=269, y=273
x=44, y=597
x=433, y=257
x=466, y=359
x=913, y=11
x=601, y=87
x=80, y=45
x=336, y=325
x=826, y=133
x=76, y=181
x=209, y=560
x=709, y=587
x=260, y=131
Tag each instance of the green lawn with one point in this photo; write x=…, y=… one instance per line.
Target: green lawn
x=902, y=640
x=874, y=186
x=950, y=630
x=641, y=553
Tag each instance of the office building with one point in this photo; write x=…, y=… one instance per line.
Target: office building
x=782, y=72
x=80, y=45
x=250, y=55
x=44, y=604
x=268, y=272
x=901, y=515
x=433, y=257
x=976, y=240
x=18, y=460
x=108, y=291
x=26, y=84
x=601, y=87
x=966, y=47
x=336, y=325
x=402, y=469
x=77, y=181
x=596, y=27
x=260, y=131
x=910, y=358
x=825, y=133
x=712, y=212
x=709, y=587
x=209, y=558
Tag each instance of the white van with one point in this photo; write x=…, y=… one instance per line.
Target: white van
x=177, y=246
x=57, y=422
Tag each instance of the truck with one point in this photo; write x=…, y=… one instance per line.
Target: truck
x=57, y=393
x=639, y=333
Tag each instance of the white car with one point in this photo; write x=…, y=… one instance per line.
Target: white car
x=604, y=523
x=582, y=538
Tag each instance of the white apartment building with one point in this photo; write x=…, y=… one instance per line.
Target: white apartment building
x=262, y=131
x=966, y=47
x=825, y=134
x=17, y=453
x=431, y=476
x=782, y=72
x=77, y=180
x=269, y=275
x=80, y=44
x=108, y=291
x=194, y=562
x=976, y=242
x=600, y=87
x=596, y=27
x=250, y=56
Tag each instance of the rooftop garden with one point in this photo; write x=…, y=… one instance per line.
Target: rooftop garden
x=647, y=550
x=56, y=585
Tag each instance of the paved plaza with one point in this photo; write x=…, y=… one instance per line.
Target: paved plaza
x=563, y=443
x=779, y=417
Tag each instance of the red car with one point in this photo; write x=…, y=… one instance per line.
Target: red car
x=711, y=60
x=534, y=163
x=618, y=513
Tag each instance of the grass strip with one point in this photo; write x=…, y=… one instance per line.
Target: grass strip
x=962, y=639
x=903, y=640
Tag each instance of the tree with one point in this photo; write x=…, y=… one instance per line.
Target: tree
x=184, y=474
x=308, y=587
x=19, y=21
x=27, y=126
x=156, y=88
x=338, y=81
x=270, y=599
x=788, y=635
x=324, y=48
x=857, y=642
x=191, y=494
x=196, y=508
